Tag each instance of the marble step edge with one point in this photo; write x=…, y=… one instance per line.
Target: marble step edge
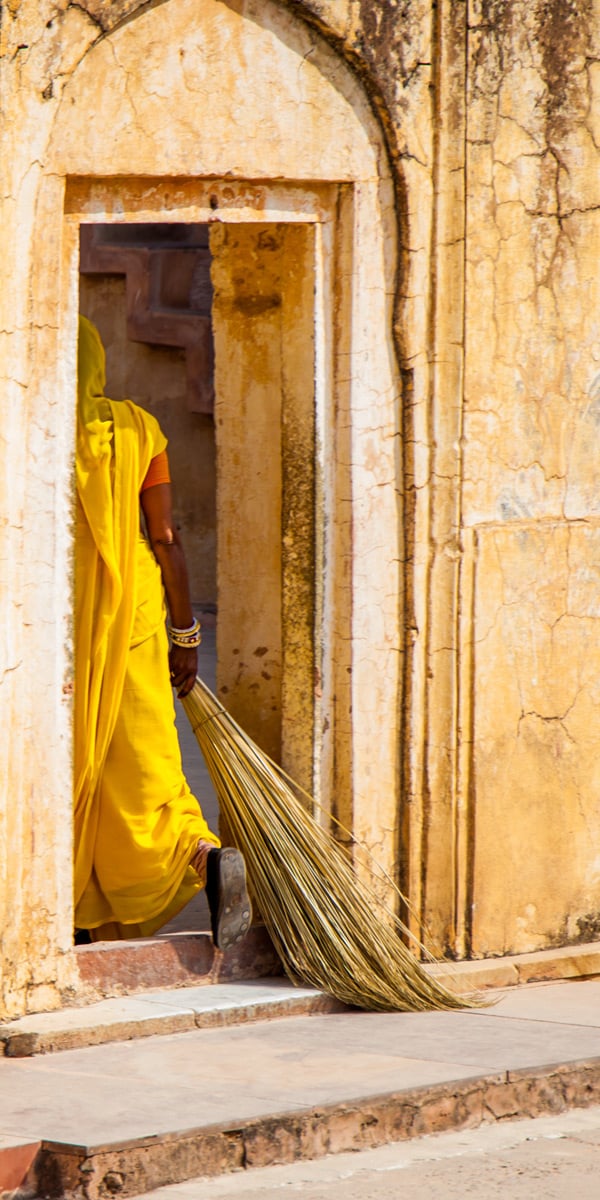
x=163, y=1011
x=175, y=1010
x=538, y=966
x=144, y=1164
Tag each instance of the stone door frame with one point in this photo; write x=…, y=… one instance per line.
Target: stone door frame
x=320, y=738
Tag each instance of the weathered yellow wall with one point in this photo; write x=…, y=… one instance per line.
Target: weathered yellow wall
x=248, y=417
x=456, y=621
x=531, y=476
x=265, y=408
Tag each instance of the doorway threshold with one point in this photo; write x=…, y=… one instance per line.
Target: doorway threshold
x=172, y=960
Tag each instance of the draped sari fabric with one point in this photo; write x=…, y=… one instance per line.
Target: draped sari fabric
x=136, y=824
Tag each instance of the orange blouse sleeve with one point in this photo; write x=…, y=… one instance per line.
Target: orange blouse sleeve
x=158, y=472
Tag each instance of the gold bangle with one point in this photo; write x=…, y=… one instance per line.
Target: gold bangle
x=192, y=639
x=186, y=638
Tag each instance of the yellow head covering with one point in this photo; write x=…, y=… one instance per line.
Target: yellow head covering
x=94, y=424
x=91, y=361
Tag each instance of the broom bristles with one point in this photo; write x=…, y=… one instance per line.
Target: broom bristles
x=328, y=928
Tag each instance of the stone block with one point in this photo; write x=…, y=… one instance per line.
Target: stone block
x=108, y=1021
x=17, y=1158
x=569, y=962
x=176, y=960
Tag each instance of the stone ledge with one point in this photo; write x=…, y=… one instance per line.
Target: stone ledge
x=567, y=962
x=160, y=1012
x=211, y=1003
x=147, y=1163
x=110, y=969
x=187, y=959
x=223, y=991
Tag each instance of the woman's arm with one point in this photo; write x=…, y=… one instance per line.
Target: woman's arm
x=158, y=513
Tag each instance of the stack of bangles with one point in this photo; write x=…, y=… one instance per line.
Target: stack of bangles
x=188, y=638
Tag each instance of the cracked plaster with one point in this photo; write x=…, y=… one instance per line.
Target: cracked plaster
x=536, y=622
x=531, y=480
x=490, y=112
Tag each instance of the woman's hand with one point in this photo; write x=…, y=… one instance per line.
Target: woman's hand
x=183, y=665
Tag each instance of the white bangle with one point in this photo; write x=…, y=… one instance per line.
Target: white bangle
x=191, y=628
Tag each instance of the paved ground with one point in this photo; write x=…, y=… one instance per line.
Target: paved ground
x=550, y=1158
x=162, y=1085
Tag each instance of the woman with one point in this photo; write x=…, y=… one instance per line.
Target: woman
x=142, y=846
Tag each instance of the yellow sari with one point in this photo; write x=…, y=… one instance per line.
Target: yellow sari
x=136, y=822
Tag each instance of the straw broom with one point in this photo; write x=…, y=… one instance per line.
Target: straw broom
x=327, y=926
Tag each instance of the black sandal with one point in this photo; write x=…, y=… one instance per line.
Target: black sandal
x=227, y=895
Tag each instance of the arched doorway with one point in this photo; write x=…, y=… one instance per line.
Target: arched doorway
x=239, y=118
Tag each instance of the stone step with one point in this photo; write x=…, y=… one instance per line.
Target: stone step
x=128, y=1169
x=127, y=1118
x=174, y=960
x=164, y=1011
x=512, y=970
x=214, y=989
x=17, y=1164
x=186, y=959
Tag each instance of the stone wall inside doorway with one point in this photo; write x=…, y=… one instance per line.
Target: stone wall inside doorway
x=155, y=376
x=264, y=320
